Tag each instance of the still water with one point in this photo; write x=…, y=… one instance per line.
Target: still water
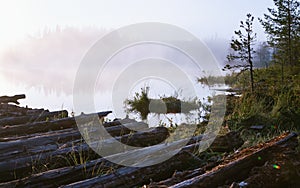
x=46, y=71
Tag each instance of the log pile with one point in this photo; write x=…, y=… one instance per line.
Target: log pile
x=252, y=167
x=41, y=149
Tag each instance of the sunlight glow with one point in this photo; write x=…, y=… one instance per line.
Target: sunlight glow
x=16, y=22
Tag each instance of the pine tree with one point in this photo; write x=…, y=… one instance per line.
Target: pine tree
x=242, y=48
x=283, y=28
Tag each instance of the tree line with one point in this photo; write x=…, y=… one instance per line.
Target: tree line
x=282, y=26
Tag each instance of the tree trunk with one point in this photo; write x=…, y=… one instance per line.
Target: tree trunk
x=250, y=62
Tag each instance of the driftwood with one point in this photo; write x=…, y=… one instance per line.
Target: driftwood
x=33, y=118
x=219, y=145
x=239, y=168
x=10, y=110
x=52, y=140
x=53, y=154
x=19, y=148
x=37, y=127
x=12, y=99
x=131, y=176
x=60, y=176
x=44, y=126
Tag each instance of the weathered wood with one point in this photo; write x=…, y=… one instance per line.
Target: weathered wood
x=10, y=110
x=19, y=148
x=11, y=99
x=286, y=173
x=22, y=165
x=60, y=176
x=119, y=122
x=51, y=141
x=180, y=176
x=131, y=176
x=239, y=168
x=33, y=118
x=44, y=126
x=177, y=177
x=37, y=127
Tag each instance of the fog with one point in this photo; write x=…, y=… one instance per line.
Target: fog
x=46, y=64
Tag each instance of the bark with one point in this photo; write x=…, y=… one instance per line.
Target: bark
x=239, y=168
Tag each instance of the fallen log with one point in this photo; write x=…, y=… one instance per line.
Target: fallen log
x=119, y=122
x=51, y=141
x=158, y=153
x=240, y=167
x=67, y=175
x=45, y=126
x=212, y=162
x=130, y=176
x=37, y=127
x=133, y=176
x=283, y=165
x=11, y=99
x=60, y=176
x=180, y=176
x=10, y=110
x=22, y=165
x=33, y=118
x=19, y=148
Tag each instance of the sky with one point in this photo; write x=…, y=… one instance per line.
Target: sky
x=205, y=19
x=43, y=41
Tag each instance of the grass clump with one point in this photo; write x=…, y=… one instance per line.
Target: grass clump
x=143, y=105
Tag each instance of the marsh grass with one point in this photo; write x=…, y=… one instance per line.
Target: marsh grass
x=141, y=104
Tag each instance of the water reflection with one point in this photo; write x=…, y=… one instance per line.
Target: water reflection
x=44, y=69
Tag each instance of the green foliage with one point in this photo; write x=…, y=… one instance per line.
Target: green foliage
x=242, y=49
x=271, y=104
x=282, y=25
x=143, y=105
x=217, y=80
x=139, y=104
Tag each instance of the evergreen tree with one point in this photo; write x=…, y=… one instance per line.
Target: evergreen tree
x=242, y=48
x=283, y=28
x=263, y=55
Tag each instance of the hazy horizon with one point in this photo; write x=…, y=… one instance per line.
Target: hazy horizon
x=43, y=43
